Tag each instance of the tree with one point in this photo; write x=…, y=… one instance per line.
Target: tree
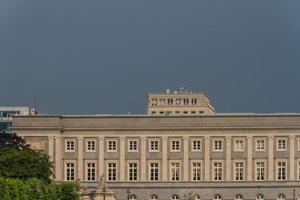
x=17, y=160
x=12, y=140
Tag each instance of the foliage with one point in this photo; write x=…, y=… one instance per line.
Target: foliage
x=12, y=140
x=24, y=164
x=35, y=189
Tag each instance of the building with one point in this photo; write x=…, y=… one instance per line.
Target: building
x=182, y=102
x=6, y=114
x=164, y=157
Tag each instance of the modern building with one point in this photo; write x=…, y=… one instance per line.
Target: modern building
x=165, y=157
x=182, y=102
x=6, y=114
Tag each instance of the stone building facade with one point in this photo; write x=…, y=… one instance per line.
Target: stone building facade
x=215, y=156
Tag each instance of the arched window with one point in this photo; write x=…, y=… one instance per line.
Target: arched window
x=175, y=197
x=217, y=197
x=260, y=197
x=132, y=197
x=281, y=197
x=153, y=197
x=238, y=197
x=197, y=197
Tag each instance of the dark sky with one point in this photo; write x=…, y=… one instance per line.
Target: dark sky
x=104, y=56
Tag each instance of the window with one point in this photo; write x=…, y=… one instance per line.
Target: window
x=217, y=171
x=217, y=145
x=91, y=171
x=239, y=171
x=178, y=101
x=111, y=145
x=70, y=146
x=170, y=101
x=154, y=145
x=193, y=112
x=153, y=197
x=175, y=171
x=196, y=145
x=281, y=145
x=132, y=145
x=238, y=197
x=132, y=197
x=175, y=146
x=281, y=171
x=185, y=112
x=260, y=197
x=162, y=101
x=194, y=101
x=260, y=170
x=175, y=197
x=196, y=171
x=154, y=102
x=90, y=146
x=153, y=112
x=260, y=144
x=238, y=145
x=111, y=171
x=70, y=171
x=217, y=197
x=185, y=101
x=154, y=171
x=197, y=197
x=132, y=171
x=281, y=197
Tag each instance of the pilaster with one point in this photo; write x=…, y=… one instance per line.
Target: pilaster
x=122, y=158
x=292, y=157
x=207, y=158
x=80, y=158
x=185, y=158
x=271, y=158
x=58, y=163
x=101, y=156
x=249, y=158
x=164, y=158
x=228, y=158
x=143, y=159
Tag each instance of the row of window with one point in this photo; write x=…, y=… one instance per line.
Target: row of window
x=175, y=170
x=215, y=197
x=168, y=112
x=173, y=101
x=175, y=145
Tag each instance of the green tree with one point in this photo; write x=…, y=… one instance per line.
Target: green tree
x=24, y=164
x=12, y=140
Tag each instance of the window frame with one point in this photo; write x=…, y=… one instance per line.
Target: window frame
x=277, y=144
x=66, y=169
x=137, y=145
x=137, y=170
x=192, y=144
x=234, y=170
x=87, y=146
x=235, y=146
x=265, y=169
x=256, y=144
x=277, y=169
x=116, y=170
x=107, y=145
x=192, y=170
x=213, y=171
x=86, y=170
x=171, y=145
x=66, y=145
x=214, y=140
x=158, y=145
x=149, y=170
x=171, y=171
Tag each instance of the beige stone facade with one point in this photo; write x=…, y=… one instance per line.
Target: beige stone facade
x=219, y=156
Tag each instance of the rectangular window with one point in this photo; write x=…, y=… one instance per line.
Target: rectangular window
x=281, y=144
x=90, y=146
x=70, y=146
x=178, y=101
x=175, y=171
x=91, y=171
x=70, y=171
x=281, y=171
x=111, y=171
x=154, y=171
x=260, y=145
x=239, y=171
x=175, y=146
x=260, y=171
x=111, y=145
x=217, y=171
x=132, y=145
x=196, y=171
x=217, y=145
x=238, y=145
x=185, y=101
x=154, y=145
x=132, y=171
x=194, y=101
x=196, y=145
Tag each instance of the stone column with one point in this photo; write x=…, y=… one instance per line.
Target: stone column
x=80, y=158
x=207, y=158
x=164, y=159
x=122, y=158
x=185, y=158
x=249, y=158
x=101, y=150
x=228, y=158
x=292, y=157
x=50, y=148
x=143, y=159
x=58, y=163
x=271, y=158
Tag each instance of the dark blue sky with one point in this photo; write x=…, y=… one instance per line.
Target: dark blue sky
x=103, y=56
